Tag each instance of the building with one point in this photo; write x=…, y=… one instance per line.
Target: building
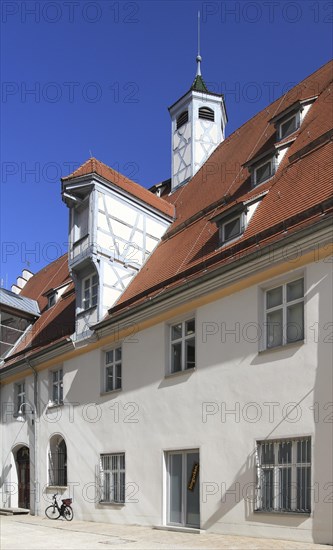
x=175, y=369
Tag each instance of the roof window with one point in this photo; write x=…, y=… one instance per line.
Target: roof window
x=263, y=171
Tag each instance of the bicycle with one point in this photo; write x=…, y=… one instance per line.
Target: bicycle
x=54, y=511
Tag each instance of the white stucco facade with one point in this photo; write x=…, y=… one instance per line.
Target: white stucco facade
x=236, y=396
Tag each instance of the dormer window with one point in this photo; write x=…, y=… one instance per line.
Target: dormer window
x=262, y=172
x=289, y=126
x=52, y=300
x=206, y=113
x=264, y=166
x=182, y=119
x=290, y=119
x=231, y=228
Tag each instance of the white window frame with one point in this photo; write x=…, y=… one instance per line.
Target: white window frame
x=57, y=386
x=258, y=166
x=20, y=395
x=88, y=303
x=277, y=492
x=284, y=307
x=110, y=470
x=78, y=234
x=112, y=365
x=52, y=300
x=296, y=116
x=57, y=462
x=182, y=340
x=222, y=224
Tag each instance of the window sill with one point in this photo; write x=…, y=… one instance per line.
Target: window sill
x=179, y=529
x=117, y=504
x=54, y=406
x=283, y=513
x=57, y=487
x=180, y=372
x=110, y=392
x=284, y=346
x=88, y=310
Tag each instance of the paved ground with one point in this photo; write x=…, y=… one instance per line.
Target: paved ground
x=38, y=533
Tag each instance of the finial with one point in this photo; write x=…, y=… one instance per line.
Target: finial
x=199, y=58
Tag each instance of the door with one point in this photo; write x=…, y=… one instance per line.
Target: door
x=23, y=474
x=183, y=488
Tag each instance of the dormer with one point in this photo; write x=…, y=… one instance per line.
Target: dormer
x=262, y=167
x=54, y=294
x=198, y=121
x=289, y=120
x=232, y=221
x=114, y=226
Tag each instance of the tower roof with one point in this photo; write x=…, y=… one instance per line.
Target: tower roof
x=199, y=84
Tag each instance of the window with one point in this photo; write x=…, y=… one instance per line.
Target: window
x=284, y=475
x=57, y=387
x=81, y=220
x=206, y=113
x=183, y=345
x=57, y=462
x=113, y=369
x=112, y=478
x=52, y=299
x=19, y=395
x=182, y=119
x=90, y=291
x=231, y=228
x=288, y=126
x=284, y=312
x=263, y=172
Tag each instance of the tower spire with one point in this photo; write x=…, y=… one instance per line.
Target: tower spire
x=199, y=58
x=198, y=84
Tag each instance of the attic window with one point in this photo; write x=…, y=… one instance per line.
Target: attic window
x=263, y=172
x=231, y=228
x=52, y=300
x=288, y=126
x=206, y=113
x=182, y=119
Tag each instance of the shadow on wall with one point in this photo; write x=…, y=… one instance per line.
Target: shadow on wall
x=243, y=488
x=322, y=476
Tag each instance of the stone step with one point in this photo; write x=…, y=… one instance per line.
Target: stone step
x=13, y=511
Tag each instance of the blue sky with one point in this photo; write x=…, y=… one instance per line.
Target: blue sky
x=86, y=77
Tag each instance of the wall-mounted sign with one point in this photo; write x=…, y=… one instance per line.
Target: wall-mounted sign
x=194, y=477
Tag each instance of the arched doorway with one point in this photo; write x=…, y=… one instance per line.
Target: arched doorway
x=23, y=476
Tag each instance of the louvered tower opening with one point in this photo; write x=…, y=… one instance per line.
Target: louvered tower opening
x=182, y=119
x=206, y=113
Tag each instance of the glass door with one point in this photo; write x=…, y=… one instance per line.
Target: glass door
x=183, y=488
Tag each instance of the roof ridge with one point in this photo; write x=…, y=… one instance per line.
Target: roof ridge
x=95, y=163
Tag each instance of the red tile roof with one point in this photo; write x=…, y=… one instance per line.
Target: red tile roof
x=295, y=197
x=94, y=166
x=297, y=186
x=54, y=323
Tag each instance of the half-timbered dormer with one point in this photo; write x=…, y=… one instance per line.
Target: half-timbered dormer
x=114, y=226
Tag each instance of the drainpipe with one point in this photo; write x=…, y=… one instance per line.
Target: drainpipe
x=34, y=425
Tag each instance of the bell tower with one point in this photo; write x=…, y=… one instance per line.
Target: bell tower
x=198, y=121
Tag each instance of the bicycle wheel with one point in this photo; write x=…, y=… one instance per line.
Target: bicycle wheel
x=68, y=513
x=52, y=512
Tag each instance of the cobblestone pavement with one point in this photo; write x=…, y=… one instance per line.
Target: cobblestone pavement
x=38, y=533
